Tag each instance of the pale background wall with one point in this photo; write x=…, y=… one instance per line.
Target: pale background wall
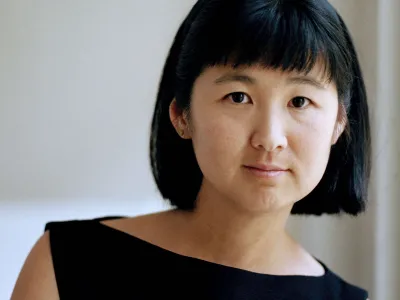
x=77, y=86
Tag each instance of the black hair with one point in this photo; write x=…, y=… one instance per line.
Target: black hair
x=289, y=35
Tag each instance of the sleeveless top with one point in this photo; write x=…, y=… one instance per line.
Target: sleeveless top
x=94, y=261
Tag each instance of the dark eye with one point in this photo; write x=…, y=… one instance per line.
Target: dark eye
x=300, y=102
x=238, y=97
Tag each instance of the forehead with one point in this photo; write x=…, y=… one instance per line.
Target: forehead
x=224, y=73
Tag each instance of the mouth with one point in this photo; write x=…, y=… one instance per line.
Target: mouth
x=266, y=171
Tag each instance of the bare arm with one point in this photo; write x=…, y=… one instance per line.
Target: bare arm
x=36, y=279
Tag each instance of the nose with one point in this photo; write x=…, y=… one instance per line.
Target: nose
x=269, y=132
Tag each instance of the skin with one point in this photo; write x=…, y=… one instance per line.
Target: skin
x=265, y=127
x=36, y=279
x=240, y=218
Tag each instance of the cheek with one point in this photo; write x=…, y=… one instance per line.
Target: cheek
x=313, y=135
x=313, y=148
x=217, y=143
x=311, y=144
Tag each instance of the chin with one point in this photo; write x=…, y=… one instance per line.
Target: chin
x=262, y=205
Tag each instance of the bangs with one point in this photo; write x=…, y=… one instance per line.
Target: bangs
x=287, y=35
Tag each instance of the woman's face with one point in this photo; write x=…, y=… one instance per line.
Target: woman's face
x=249, y=120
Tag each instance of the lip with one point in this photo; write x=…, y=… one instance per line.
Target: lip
x=266, y=167
x=266, y=170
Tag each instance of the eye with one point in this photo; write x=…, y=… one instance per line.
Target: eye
x=238, y=97
x=300, y=102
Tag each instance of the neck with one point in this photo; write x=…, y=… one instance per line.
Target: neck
x=223, y=233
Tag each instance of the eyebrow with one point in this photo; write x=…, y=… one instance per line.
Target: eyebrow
x=306, y=80
x=230, y=77
x=235, y=78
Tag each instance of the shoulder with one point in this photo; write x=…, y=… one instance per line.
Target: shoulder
x=69, y=249
x=82, y=234
x=343, y=289
x=38, y=276
x=37, y=279
x=146, y=227
x=68, y=225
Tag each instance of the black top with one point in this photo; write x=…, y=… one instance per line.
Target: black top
x=94, y=261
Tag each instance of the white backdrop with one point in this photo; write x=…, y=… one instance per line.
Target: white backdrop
x=77, y=87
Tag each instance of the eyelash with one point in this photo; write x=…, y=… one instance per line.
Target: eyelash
x=297, y=97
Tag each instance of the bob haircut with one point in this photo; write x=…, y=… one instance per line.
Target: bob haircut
x=289, y=35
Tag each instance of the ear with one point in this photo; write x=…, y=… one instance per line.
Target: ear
x=341, y=123
x=179, y=120
x=339, y=129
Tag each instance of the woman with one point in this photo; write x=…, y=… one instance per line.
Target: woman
x=261, y=113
